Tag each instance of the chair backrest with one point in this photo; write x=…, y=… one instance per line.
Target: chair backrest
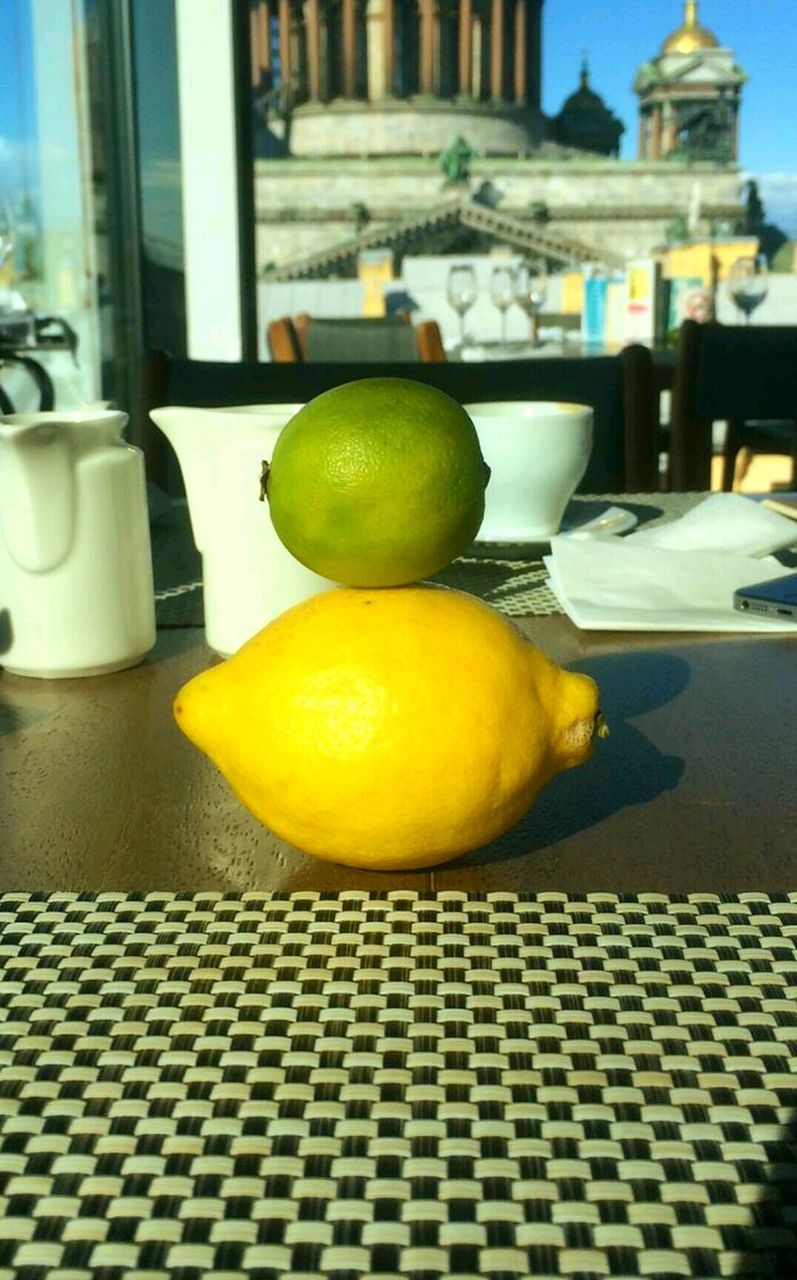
x=727, y=372
x=619, y=388
x=301, y=324
x=429, y=340
x=283, y=343
x=377, y=339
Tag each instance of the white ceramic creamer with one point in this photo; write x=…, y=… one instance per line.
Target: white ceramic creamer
x=248, y=576
x=76, y=585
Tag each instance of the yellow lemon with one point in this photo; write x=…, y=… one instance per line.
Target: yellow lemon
x=377, y=482
x=390, y=728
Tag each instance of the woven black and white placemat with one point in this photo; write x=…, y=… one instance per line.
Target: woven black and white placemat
x=389, y=1085
x=509, y=576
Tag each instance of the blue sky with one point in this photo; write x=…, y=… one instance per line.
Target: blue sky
x=616, y=36
x=17, y=100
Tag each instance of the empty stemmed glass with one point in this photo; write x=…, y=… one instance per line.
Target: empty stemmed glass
x=502, y=292
x=531, y=289
x=747, y=283
x=461, y=292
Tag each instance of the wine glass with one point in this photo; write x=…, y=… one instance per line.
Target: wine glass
x=6, y=232
x=502, y=292
x=747, y=283
x=531, y=290
x=461, y=293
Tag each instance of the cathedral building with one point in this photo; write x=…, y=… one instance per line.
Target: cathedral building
x=395, y=77
x=417, y=125
x=689, y=97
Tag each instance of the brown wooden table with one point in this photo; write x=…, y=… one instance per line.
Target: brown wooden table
x=572, y=1054
x=694, y=790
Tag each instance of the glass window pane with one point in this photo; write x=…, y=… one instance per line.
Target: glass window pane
x=158, y=130
x=45, y=182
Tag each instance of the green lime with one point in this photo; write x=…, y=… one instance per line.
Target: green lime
x=378, y=482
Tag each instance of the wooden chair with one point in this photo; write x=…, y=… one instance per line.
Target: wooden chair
x=283, y=343
x=300, y=326
x=619, y=389
x=429, y=340
x=377, y=339
x=743, y=375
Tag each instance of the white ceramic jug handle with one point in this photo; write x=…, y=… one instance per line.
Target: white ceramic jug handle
x=37, y=496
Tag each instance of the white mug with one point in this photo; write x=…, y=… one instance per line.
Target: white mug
x=537, y=452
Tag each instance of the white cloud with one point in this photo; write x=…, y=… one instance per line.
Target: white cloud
x=779, y=194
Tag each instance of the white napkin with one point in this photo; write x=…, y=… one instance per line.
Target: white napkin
x=726, y=522
x=675, y=577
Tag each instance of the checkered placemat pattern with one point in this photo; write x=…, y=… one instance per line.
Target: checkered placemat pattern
x=514, y=587
x=398, y=1085
x=509, y=576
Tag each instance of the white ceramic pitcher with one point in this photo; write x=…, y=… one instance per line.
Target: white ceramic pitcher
x=248, y=576
x=76, y=588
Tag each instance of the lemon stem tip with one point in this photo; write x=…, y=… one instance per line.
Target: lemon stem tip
x=601, y=727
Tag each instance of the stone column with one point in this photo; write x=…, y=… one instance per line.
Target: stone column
x=654, y=145
x=643, y=132
x=669, y=130
x=388, y=46
x=437, y=69
x=375, y=38
x=254, y=42
x=427, y=17
x=348, y=42
x=267, y=10
x=286, y=60
x=477, y=54
x=258, y=20
x=521, y=50
x=466, y=47
x=733, y=135
x=312, y=15
x=497, y=51
x=298, y=48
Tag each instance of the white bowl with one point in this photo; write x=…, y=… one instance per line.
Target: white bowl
x=537, y=451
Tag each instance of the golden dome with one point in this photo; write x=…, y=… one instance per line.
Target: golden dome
x=691, y=35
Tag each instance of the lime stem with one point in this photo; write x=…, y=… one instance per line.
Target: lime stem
x=264, y=474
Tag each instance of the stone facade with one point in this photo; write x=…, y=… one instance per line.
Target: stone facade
x=622, y=207
x=362, y=99
x=398, y=128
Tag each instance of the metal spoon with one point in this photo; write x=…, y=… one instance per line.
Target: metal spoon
x=612, y=520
